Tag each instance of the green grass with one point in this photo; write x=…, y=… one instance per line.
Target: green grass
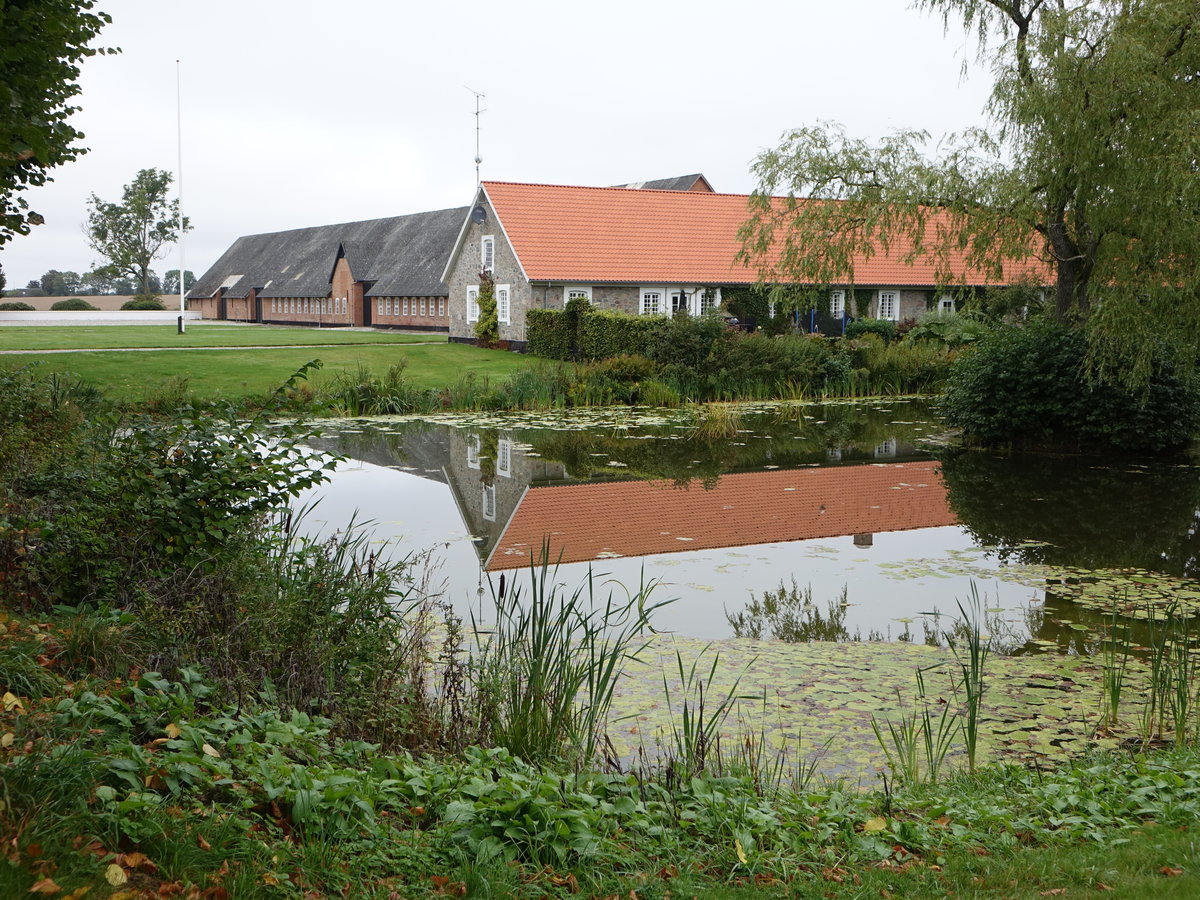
x=106, y=337
x=236, y=373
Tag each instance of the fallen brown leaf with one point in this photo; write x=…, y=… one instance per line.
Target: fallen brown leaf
x=1170, y=871
x=45, y=886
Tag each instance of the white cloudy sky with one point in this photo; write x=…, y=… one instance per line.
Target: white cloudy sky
x=299, y=112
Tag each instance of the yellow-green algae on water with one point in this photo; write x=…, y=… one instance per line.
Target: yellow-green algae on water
x=816, y=700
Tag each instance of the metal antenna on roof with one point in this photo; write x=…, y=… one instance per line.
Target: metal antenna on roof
x=479, y=95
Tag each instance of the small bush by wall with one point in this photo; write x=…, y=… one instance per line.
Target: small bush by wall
x=143, y=302
x=15, y=306
x=70, y=304
x=882, y=327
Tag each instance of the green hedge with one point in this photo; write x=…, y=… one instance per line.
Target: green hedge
x=549, y=333
x=605, y=334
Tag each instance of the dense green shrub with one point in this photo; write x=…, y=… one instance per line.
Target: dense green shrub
x=71, y=304
x=696, y=343
x=548, y=333
x=15, y=306
x=884, y=328
x=143, y=302
x=948, y=329
x=1026, y=385
x=603, y=334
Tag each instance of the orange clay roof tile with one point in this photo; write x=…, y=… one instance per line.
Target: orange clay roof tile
x=568, y=233
x=639, y=518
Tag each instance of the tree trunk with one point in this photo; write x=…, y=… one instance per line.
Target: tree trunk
x=1074, y=273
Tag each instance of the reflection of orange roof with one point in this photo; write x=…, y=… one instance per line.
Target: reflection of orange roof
x=563, y=233
x=638, y=518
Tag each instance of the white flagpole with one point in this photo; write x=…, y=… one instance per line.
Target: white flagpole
x=179, y=142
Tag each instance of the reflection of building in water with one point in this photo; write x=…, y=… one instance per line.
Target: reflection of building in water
x=585, y=521
x=488, y=475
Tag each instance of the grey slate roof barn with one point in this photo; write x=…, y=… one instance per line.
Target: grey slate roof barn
x=392, y=258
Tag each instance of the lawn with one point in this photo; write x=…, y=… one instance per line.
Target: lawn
x=235, y=373
x=104, y=337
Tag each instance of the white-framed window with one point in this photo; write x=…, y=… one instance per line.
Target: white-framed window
x=833, y=454
x=489, y=502
x=473, y=445
x=423, y=306
x=379, y=306
x=473, y=303
x=652, y=302
x=442, y=306
x=487, y=252
x=679, y=302
x=504, y=457
x=503, y=304
x=576, y=292
x=945, y=304
x=837, y=304
x=886, y=450
x=889, y=305
x=710, y=299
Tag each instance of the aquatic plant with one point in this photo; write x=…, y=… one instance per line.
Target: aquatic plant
x=543, y=674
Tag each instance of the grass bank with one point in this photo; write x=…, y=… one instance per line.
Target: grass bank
x=241, y=374
x=110, y=337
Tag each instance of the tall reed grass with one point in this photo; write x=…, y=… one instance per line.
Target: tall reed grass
x=544, y=673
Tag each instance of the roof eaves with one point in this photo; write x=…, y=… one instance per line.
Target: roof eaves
x=462, y=235
x=504, y=232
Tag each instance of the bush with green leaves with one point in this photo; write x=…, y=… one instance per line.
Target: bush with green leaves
x=143, y=302
x=72, y=304
x=548, y=333
x=948, y=329
x=487, y=326
x=15, y=306
x=883, y=328
x=1028, y=386
x=603, y=334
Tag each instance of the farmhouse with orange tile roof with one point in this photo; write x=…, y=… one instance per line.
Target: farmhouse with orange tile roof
x=633, y=250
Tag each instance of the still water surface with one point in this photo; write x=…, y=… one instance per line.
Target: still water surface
x=863, y=501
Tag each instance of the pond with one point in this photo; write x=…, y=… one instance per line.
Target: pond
x=858, y=515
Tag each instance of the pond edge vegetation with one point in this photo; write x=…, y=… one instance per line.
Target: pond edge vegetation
x=241, y=714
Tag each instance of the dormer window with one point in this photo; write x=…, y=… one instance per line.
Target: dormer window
x=487, y=253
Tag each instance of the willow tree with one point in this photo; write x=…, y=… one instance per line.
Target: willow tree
x=1089, y=162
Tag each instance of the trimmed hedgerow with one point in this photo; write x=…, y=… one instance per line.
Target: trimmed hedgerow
x=548, y=333
x=604, y=334
x=1027, y=386
x=885, y=328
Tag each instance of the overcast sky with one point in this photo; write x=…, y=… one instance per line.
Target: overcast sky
x=299, y=112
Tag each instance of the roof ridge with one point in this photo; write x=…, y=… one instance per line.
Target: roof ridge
x=640, y=191
x=429, y=212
